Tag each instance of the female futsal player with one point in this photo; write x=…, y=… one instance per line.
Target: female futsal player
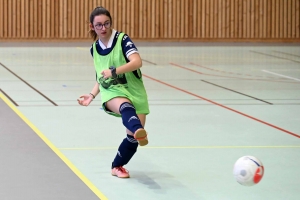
x=119, y=81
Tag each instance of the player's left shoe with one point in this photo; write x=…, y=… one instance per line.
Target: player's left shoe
x=120, y=172
x=141, y=136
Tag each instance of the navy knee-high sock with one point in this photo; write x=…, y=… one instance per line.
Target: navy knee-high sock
x=126, y=150
x=129, y=117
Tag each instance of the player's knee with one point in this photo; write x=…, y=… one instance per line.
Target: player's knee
x=129, y=132
x=129, y=117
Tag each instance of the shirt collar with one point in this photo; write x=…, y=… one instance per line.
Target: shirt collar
x=110, y=41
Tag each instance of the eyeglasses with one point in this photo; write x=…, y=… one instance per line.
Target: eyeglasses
x=100, y=26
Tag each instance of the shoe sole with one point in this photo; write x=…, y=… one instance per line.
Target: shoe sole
x=120, y=177
x=141, y=133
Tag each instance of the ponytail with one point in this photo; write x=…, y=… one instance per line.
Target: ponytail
x=93, y=34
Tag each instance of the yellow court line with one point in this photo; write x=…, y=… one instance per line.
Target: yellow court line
x=82, y=48
x=55, y=149
x=183, y=147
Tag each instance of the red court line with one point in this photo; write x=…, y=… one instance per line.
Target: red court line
x=195, y=71
x=149, y=62
x=195, y=95
x=257, y=79
x=232, y=72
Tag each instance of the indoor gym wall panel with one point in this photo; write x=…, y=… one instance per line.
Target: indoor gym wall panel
x=177, y=20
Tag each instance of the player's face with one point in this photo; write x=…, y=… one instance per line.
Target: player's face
x=102, y=26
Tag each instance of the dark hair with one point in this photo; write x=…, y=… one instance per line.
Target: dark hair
x=98, y=11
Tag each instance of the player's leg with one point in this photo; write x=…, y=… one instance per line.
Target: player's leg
x=142, y=118
x=130, y=119
x=126, y=151
x=129, y=144
x=128, y=147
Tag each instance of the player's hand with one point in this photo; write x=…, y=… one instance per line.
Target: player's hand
x=106, y=73
x=85, y=99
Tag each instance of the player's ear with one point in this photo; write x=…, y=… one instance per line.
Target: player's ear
x=91, y=26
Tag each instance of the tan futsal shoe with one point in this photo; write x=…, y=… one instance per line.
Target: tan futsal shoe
x=141, y=136
x=120, y=172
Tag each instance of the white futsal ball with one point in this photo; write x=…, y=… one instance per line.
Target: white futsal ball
x=248, y=170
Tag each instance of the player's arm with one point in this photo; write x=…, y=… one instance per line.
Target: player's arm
x=133, y=58
x=86, y=99
x=95, y=91
x=135, y=62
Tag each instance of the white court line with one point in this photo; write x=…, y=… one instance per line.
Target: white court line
x=281, y=75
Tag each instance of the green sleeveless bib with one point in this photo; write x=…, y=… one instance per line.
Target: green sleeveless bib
x=129, y=85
